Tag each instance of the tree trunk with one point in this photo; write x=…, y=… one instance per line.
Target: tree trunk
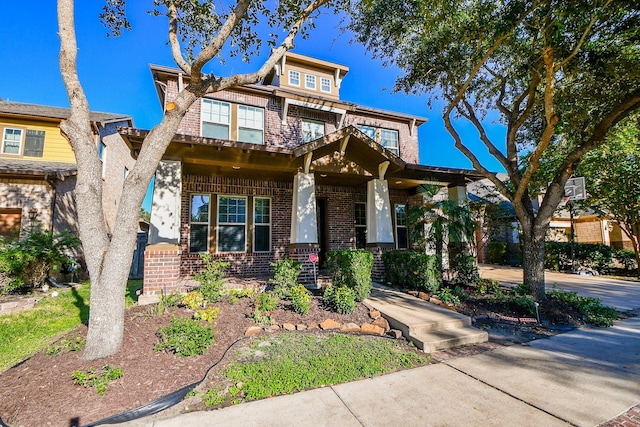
x=533, y=261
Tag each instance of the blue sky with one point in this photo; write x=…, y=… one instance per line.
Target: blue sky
x=116, y=78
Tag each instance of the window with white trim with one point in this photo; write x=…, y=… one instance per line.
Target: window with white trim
x=12, y=141
x=294, y=78
x=360, y=211
x=402, y=235
x=310, y=81
x=261, y=224
x=199, y=223
x=232, y=224
x=216, y=117
x=250, y=124
x=368, y=130
x=389, y=140
x=312, y=130
x=325, y=85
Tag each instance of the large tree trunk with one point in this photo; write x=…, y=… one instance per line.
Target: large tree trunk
x=533, y=262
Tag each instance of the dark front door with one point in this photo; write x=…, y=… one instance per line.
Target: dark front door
x=321, y=212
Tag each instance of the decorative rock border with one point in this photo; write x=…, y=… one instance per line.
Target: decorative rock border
x=378, y=326
x=17, y=305
x=506, y=319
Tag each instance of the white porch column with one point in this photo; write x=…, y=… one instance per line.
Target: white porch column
x=165, y=207
x=458, y=193
x=304, y=226
x=379, y=224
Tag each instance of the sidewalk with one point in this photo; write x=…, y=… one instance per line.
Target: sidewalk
x=580, y=378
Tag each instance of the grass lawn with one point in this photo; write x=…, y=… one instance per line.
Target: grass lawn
x=24, y=334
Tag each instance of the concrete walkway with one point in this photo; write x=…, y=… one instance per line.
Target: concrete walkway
x=580, y=378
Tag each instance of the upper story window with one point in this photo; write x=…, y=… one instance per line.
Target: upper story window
x=216, y=117
x=250, y=124
x=312, y=130
x=294, y=78
x=310, y=81
x=325, y=85
x=12, y=141
x=368, y=130
x=34, y=143
x=389, y=140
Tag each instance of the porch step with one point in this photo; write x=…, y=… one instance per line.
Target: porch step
x=429, y=326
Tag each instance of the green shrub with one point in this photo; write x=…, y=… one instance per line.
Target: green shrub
x=524, y=302
x=211, y=278
x=591, y=308
x=464, y=269
x=412, y=270
x=66, y=345
x=285, y=276
x=497, y=252
x=214, y=397
x=99, y=380
x=594, y=256
x=185, y=337
x=446, y=296
x=193, y=300
x=208, y=314
x=300, y=298
x=522, y=289
x=340, y=299
x=487, y=285
x=627, y=258
x=352, y=268
x=264, y=306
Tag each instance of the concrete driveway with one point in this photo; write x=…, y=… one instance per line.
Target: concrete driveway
x=621, y=294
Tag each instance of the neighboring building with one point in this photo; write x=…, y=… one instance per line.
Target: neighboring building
x=285, y=168
x=38, y=167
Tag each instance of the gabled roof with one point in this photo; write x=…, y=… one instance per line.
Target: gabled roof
x=19, y=167
x=22, y=110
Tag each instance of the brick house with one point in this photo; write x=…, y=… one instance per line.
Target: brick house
x=38, y=167
x=285, y=168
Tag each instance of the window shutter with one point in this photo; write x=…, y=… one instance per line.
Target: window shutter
x=34, y=143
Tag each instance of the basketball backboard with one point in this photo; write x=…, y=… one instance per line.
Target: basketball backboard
x=575, y=189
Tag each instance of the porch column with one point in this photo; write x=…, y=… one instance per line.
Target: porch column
x=162, y=254
x=304, y=224
x=458, y=194
x=379, y=224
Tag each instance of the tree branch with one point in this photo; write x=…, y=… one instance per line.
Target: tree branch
x=176, y=50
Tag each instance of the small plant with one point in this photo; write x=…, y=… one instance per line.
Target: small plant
x=166, y=301
x=446, y=296
x=487, y=285
x=185, y=337
x=264, y=306
x=340, y=299
x=192, y=393
x=211, y=278
x=285, y=276
x=66, y=345
x=522, y=289
x=300, y=298
x=236, y=294
x=591, y=308
x=214, y=397
x=208, y=314
x=193, y=300
x=99, y=380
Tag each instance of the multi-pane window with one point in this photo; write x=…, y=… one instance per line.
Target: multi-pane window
x=402, y=237
x=325, y=84
x=216, y=117
x=199, y=223
x=294, y=78
x=250, y=124
x=310, y=81
x=312, y=130
x=360, y=210
x=34, y=143
x=232, y=224
x=368, y=130
x=11, y=141
x=389, y=140
x=261, y=224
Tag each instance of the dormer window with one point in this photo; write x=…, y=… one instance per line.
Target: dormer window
x=310, y=81
x=325, y=85
x=294, y=78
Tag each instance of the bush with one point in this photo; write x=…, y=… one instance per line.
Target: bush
x=464, y=269
x=594, y=256
x=591, y=308
x=300, y=298
x=185, y=337
x=211, y=278
x=285, y=275
x=412, y=270
x=208, y=314
x=264, y=306
x=193, y=300
x=340, y=299
x=352, y=269
x=497, y=252
x=446, y=296
x=627, y=258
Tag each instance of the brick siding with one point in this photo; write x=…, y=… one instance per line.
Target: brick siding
x=161, y=269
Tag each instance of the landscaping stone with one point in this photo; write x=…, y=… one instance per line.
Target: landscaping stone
x=374, y=314
x=329, y=324
x=382, y=322
x=395, y=334
x=423, y=295
x=301, y=327
x=289, y=326
x=350, y=327
x=368, y=328
x=273, y=328
x=313, y=326
x=434, y=300
x=252, y=330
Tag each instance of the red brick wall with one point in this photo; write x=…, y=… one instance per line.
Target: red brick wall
x=161, y=269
